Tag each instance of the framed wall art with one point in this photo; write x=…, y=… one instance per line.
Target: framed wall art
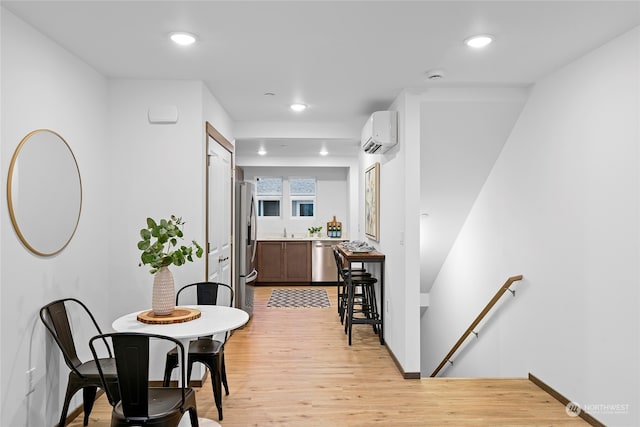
x=372, y=202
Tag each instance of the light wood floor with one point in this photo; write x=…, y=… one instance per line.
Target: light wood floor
x=293, y=367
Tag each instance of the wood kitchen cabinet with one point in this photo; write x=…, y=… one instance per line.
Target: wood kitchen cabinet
x=297, y=265
x=284, y=261
x=270, y=261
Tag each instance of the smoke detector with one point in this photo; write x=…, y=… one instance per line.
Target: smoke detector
x=435, y=74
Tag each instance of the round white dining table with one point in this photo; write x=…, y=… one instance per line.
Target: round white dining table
x=213, y=319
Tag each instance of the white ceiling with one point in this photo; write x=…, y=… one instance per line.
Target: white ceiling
x=345, y=59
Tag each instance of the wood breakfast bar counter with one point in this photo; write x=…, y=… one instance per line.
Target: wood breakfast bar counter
x=368, y=257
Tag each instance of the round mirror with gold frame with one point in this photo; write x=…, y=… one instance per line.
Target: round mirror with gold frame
x=44, y=192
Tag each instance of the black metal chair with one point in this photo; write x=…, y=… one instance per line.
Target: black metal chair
x=140, y=404
x=206, y=350
x=83, y=375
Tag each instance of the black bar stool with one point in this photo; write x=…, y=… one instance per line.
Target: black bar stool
x=357, y=302
x=341, y=283
x=361, y=305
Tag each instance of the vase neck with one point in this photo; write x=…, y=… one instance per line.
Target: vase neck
x=163, y=270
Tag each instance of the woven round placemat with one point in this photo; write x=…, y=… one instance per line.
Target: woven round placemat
x=179, y=315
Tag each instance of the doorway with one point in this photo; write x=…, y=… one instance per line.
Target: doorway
x=219, y=207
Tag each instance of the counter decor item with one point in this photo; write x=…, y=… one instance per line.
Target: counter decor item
x=358, y=246
x=315, y=231
x=334, y=228
x=159, y=251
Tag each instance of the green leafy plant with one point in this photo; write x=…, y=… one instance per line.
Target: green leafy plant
x=159, y=240
x=314, y=229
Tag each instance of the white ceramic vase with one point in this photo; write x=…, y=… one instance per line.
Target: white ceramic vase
x=163, y=299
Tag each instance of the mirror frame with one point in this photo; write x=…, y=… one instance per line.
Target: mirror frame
x=12, y=212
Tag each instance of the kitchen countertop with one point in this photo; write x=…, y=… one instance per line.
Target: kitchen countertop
x=299, y=237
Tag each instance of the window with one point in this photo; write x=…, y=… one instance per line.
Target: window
x=268, y=207
x=269, y=195
x=303, y=196
x=272, y=195
x=302, y=208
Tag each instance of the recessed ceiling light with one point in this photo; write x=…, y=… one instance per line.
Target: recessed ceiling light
x=479, y=41
x=262, y=152
x=183, y=39
x=324, y=152
x=298, y=107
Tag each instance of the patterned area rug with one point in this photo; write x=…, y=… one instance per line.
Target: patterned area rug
x=298, y=298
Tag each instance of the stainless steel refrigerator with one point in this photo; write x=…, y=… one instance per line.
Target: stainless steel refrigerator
x=246, y=232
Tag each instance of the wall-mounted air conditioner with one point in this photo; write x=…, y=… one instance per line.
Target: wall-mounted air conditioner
x=380, y=133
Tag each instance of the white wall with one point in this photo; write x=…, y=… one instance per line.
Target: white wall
x=561, y=207
x=350, y=164
x=332, y=198
x=462, y=132
x=156, y=170
x=43, y=86
x=214, y=113
x=399, y=237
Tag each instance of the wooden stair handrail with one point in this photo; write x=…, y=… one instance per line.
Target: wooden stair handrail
x=477, y=320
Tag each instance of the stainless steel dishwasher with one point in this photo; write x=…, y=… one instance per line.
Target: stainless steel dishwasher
x=323, y=264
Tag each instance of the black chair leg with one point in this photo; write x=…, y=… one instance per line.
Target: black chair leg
x=89, y=397
x=224, y=375
x=217, y=389
x=194, y=418
x=169, y=365
x=189, y=370
x=371, y=307
x=71, y=390
x=342, y=302
x=340, y=298
x=215, y=368
x=350, y=302
x=348, y=308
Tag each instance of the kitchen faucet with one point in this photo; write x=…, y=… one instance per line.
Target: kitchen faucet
x=285, y=232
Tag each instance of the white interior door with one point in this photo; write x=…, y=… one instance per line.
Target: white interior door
x=219, y=248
